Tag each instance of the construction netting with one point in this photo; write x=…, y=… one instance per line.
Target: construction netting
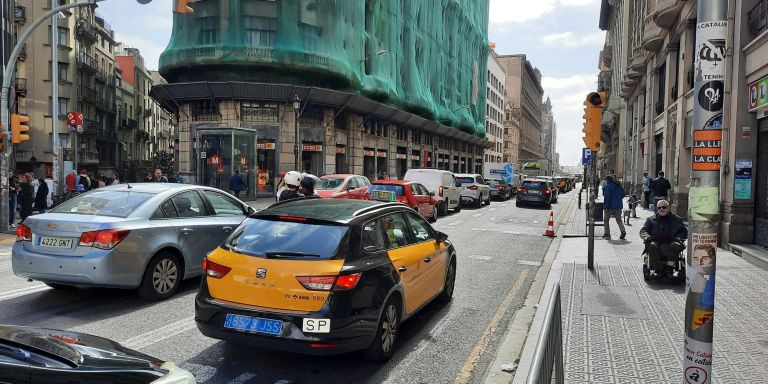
x=424, y=56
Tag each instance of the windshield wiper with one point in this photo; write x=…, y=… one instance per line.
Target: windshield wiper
x=288, y=255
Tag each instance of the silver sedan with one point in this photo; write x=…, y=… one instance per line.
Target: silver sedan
x=148, y=236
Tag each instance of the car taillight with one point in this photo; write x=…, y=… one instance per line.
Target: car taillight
x=440, y=191
x=326, y=283
x=104, y=239
x=472, y=187
x=521, y=190
x=211, y=269
x=499, y=187
x=23, y=233
x=546, y=191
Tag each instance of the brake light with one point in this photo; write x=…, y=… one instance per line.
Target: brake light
x=472, y=187
x=23, y=233
x=521, y=190
x=327, y=283
x=293, y=218
x=104, y=239
x=440, y=191
x=546, y=191
x=499, y=187
x=211, y=269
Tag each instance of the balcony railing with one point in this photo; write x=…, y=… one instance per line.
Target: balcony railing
x=130, y=123
x=89, y=94
x=87, y=61
x=86, y=33
x=89, y=156
x=757, y=18
x=89, y=126
x=20, y=14
x=21, y=86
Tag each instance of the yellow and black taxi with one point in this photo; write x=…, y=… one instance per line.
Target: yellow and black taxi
x=324, y=276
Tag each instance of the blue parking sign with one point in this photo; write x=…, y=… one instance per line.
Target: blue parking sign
x=586, y=156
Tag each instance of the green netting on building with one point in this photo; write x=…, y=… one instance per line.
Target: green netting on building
x=424, y=56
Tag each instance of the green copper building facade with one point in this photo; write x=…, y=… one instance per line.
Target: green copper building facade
x=399, y=81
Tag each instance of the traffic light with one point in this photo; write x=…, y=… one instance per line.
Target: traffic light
x=182, y=6
x=593, y=120
x=19, y=128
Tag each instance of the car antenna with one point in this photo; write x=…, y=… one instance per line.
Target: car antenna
x=128, y=184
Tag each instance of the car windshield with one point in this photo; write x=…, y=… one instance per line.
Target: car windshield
x=495, y=183
x=104, y=203
x=397, y=189
x=465, y=180
x=329, y=183
x=532, y=184
x=287, y=239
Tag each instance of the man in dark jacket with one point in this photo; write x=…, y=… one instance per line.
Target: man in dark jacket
x=664, y=234
x=237, y=184
x=26, y=195
x=612, y=206
x=660, y=188
x=41, y=196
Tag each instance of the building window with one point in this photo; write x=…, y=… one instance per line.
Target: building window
x=63, y=69
x=209, y=29
x=259, y=111
x=63, y=36
x=63, y=106
x=204, y=110
x=259, y=31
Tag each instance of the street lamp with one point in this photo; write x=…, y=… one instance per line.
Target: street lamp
x=296, y=105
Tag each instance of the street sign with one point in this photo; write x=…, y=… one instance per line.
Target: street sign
x=586, y=156
x=202, y=154
x=75, y=122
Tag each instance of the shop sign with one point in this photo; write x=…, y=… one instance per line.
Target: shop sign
x=415, y=157
x=381, y=154
x=311, y=147
x=265, y=145
x=368, y=152
x=706, y=150
x=341, y=150
x=758, y=94
x=402, y=156
x=214, y=160
x=746, y=132
x=243, y=160
x=220, y=170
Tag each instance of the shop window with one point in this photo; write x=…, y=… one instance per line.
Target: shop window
x=256, y=111
x=259, y=31
x=209, y=30
x=204, y=110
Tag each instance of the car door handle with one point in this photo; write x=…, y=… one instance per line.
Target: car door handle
x=402, y=269
x=427, y=259
x=227, y=229
x=187, y=231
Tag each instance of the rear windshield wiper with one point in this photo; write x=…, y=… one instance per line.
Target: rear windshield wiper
x=288, y=255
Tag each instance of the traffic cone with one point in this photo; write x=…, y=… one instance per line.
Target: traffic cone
x=550, y=225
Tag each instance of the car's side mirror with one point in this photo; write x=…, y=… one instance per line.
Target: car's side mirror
x=441, y=237
x=251, y=210
x=431, y=193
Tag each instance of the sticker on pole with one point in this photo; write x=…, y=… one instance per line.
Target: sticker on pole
x=710, y=49
x=707, y=149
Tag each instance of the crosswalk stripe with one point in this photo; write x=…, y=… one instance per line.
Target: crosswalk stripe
x=23, y=291
x=157, y=335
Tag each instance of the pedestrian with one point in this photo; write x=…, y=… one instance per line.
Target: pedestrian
x=292, y=181
x=41, y=196
x=646, y=190
x=383, y=176
x=237, y=184
x=84, y=180
x=70, y=181
x=26, y=195
x=632, y=201
x=663, y=232
x=612, y=206
x=660, y=188
x=13, y=199
x=307, y=186
x=115, y=179
x=158, y=177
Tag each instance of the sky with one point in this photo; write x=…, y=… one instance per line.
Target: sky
x=560, y=37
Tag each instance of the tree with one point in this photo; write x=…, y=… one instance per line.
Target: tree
x=164, y=161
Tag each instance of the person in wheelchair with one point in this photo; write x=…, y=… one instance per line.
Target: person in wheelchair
x=664, y=235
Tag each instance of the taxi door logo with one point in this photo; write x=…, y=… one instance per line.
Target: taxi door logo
x=261, y=273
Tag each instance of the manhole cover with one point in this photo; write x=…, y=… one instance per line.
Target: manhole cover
x=603, y=300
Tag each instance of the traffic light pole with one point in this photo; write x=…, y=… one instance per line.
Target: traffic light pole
x=5, y=113
x=55, y=101
x=704, y=195
x=591, y=215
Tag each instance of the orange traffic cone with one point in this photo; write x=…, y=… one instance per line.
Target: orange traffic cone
x=550, y=225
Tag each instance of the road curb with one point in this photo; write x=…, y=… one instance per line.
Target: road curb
x=524, y=326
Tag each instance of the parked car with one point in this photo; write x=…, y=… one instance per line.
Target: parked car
x=500, y=189
x=553, y=186
x=535, y=191
x=351, y=273
x=148, y=236
x=40, y=355
x=476, y=191
x=407, y=192
x=342, y=186
x=442, y=183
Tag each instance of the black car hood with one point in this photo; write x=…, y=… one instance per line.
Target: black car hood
x=79, y=349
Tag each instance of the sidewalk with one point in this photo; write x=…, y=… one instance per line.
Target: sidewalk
x=619, y=329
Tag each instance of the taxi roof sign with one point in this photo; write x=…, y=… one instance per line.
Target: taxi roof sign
x=383, y=195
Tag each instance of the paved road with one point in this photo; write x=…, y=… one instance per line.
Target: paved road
x=499, y=251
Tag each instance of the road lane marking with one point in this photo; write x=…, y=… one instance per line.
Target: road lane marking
x=478, y=257
x=504, y=205
x=477, y=215
x=436, y=330
x=23, y=291
x=491, y=209
x=529, y=262
x=457, y=222
x=243, y=378
x=157, y=335
x=469, y=365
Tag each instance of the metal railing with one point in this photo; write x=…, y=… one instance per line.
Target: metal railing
x=548, y=356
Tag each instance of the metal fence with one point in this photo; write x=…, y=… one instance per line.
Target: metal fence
x=548, y=356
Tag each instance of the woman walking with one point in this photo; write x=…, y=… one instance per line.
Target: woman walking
x=41, y=197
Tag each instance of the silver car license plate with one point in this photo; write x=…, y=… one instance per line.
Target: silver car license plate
x=54, y=242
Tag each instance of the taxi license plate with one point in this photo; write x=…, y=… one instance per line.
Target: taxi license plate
x=54, y=242
x=253, y=324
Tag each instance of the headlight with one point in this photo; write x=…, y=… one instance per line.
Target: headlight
x=175, y=375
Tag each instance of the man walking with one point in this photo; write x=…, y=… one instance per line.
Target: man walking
x=660, y=187
x=237, y=184
x=612, y=205
x=646, y=190
x=158, y=177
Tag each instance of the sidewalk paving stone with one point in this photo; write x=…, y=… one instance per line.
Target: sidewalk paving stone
x=617, y=328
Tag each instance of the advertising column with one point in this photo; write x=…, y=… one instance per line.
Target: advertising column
x=704, y=196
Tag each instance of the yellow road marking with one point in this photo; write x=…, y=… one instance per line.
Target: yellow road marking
x=469, y=365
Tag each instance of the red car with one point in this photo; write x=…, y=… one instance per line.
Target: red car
x=409, y=193
x=342, y=186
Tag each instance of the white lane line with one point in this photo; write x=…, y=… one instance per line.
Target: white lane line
x=478, y=257
x=457, y=222
x=529, y=262
x=436, y=330
x=155, y=336
x=477, y=215
x=243, y=378
x=202, y=373
x=23, y=291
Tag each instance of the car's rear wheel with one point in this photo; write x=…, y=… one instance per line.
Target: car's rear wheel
x=383, y=345
x=478, y=202
x=441, y=208
x=162, y=277
x=450, y=281
x=488, y=200
x=433, y=218
x=458, y=206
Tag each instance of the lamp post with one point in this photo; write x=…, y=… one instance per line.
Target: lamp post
x=296, y=105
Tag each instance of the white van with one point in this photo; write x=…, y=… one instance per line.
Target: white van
x=442, y=183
